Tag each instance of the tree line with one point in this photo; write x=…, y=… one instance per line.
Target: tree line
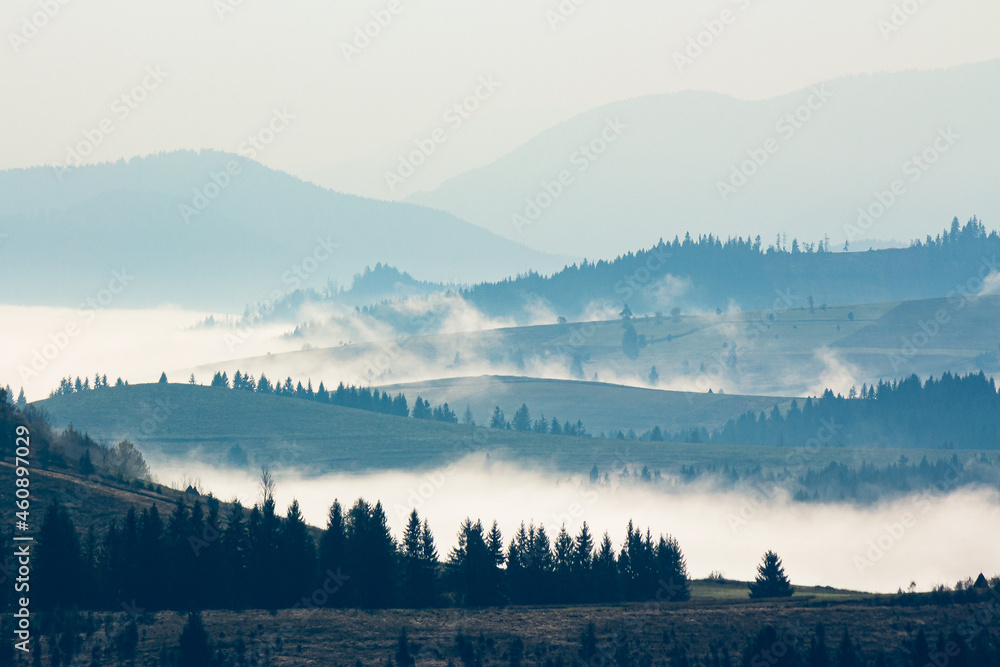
x=202, y=556
x=807, y=273
x=716, y=270
x=372, y=400
x=953, y=412
x=865, y=483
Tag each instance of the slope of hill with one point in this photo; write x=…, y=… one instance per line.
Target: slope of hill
x=604, y=407
x=781, y=352
x=212, y=213
x=803, y=163
x=90, y=500
x=184, y=421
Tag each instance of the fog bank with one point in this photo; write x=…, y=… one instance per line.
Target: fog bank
x=928, y=540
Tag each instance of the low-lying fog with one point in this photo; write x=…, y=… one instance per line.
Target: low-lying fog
x=929, y=540
x=46, y=344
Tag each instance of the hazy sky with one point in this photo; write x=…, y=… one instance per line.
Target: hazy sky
x=225, y=65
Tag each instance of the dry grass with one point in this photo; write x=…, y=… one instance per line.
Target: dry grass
x=342, y=637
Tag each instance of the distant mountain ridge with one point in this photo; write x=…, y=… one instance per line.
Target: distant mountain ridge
x=801, y=164
x=212, y=230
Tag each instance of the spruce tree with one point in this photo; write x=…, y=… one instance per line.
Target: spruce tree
x=498, y=420
x=818, y=655
x=771, y=580
x=298, y=555
x=522, y=419
x=194, y=647
x=332, y=550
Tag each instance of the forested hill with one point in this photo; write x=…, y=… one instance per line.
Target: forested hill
x=709, y=273
x=954, y=412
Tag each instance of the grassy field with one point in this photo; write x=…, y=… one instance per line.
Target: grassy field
x=180, y=420
x=651, y=631
x=606, y=407
x=781, y=352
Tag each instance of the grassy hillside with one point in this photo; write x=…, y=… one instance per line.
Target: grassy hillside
x=603, y=407
x=781, y=352
x=180, y=420
x=311, y=636
x=90, y=500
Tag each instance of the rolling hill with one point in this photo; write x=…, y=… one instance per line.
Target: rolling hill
x=781, y=352
x=607, y=407
x=189, y=421
x=212, y=230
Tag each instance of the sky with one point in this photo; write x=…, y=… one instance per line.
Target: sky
x=210, y=74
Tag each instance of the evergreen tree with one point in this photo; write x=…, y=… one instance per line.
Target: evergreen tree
x=818, y=654
x=563, y=558
x=298, y=555
x=498, y=420
x=419, y=564
x=333, y=549
x=847, y=653
x=671, y=570
x=58, y=563
x=630, y=341
x=422, y=409
x=235, y=546
x=86, y=465
x=195, y=650
x=370, y=557
x=522, y=419
x=605, y=575
x=264, y=538
x=474, y=566
x=403, y=656
x=771, y=581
